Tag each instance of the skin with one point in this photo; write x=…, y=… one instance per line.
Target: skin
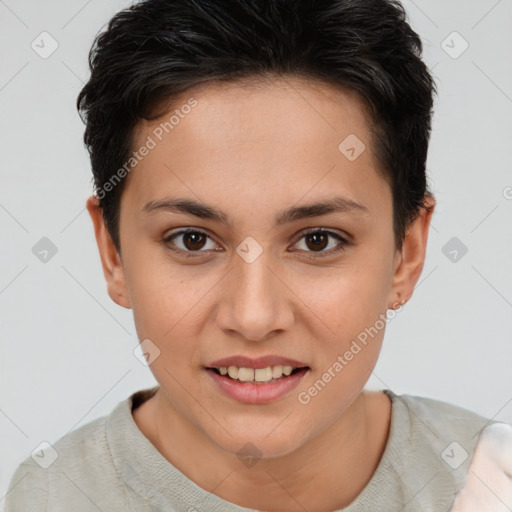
x=252, y=151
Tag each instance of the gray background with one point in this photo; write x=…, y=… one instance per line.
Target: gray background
x=67, y=349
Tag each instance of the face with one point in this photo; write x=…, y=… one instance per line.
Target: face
x=253, y=270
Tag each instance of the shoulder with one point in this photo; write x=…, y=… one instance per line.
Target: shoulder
x=445, y=434
x=442, y=417
x=75, y=468
x=434, y=443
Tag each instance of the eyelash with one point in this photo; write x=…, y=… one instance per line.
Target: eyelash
x=343, y=242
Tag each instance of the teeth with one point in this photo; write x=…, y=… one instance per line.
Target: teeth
x=263, y=374
x=277, y=371
x=256, y=374
x=287, y=370
x=233, y=372
x=246, y=374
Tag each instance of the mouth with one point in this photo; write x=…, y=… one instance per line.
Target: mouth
x=258, y=376
x=256, y=381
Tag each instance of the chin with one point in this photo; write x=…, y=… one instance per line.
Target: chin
x=259, y=443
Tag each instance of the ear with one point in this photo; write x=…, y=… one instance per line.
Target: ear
x=110, y=259
x=410, y=260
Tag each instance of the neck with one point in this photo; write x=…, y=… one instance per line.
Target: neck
x=326, y=473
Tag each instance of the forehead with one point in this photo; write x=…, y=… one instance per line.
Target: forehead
x=305, y=107
x=278, y=135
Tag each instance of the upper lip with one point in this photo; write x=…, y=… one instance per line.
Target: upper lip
x=258, y=362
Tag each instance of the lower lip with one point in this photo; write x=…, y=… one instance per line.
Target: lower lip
x=261, y=393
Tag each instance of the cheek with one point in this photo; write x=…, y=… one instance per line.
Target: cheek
x=345, y=300
x=168, y=309
x=158, y=298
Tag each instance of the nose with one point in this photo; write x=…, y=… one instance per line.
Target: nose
x=256, y=302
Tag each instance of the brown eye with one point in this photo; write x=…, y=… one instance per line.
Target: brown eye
x=192, y=240
x=317, y=240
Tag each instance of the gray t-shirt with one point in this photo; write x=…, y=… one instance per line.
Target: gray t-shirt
x=109, y=465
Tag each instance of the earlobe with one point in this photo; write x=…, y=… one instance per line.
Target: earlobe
x=412, y=255
x=111, y=262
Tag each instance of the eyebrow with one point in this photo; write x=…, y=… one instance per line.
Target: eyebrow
x=204, y=211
